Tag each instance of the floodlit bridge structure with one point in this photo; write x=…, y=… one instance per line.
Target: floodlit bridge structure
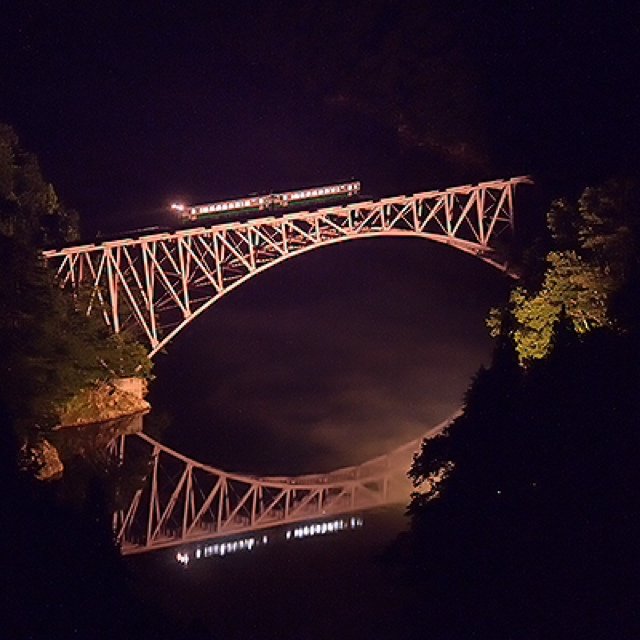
x=157, y=284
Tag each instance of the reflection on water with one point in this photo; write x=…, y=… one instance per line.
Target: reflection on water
x=317, y=587
x=277, y=535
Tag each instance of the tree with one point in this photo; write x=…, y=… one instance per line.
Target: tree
x=62, y=567
x=529, y=531
x=592, y=261
x=49, y=351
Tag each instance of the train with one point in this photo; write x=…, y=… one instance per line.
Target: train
x=239, y=209
x=300, y=198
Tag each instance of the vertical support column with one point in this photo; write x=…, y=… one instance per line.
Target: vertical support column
x=415, y=214
x=153, y=496
x=184, y=260
x=113, y=288
x=188, y=501
x=448, y=213
x=149, y=281
x=510, y=187
x=121, y=450
x=287, y=504
x=118, y=453
x=218, y=258
x=283, y=235
x=81, y=268
x=479, y=195
x=252, y=253
x=254, y=504
x=222, y=498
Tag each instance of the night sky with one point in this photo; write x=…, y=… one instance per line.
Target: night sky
x=130, y=106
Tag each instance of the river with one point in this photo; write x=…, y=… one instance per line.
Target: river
x=326, y=361
x=322, y=586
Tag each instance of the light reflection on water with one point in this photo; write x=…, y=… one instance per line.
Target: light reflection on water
x=312, y=588
x=281, y=534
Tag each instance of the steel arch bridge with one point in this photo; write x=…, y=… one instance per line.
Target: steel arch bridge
x=184, y=501
x=159, y=283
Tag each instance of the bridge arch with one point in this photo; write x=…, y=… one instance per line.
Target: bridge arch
x=489, y=258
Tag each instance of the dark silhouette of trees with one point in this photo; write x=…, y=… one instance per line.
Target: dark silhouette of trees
x=531, y=532
x=62, y=575
x=48, y=350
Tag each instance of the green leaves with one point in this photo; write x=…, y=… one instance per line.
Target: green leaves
x=49, y=350
x=589, y=266
x=30, y=210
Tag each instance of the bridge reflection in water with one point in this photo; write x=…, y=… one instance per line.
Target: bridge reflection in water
x=184, y=501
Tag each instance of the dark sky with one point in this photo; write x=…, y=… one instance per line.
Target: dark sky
x=131, y=105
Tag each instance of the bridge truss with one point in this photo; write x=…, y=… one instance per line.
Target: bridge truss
x=161, y=282
x=183, y=501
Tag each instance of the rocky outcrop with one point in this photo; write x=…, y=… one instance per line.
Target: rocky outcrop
x=106, y=402
x=89, y=423
x=43, y=459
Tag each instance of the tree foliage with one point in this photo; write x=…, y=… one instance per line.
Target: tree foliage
x=49, y=350
x=65, y=574
x=530, y=531
x=591, y=262
x=30, y=211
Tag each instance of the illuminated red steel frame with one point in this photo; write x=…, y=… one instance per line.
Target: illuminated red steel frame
x=159, y=283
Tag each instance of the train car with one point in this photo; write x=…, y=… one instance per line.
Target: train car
x=238, y=207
